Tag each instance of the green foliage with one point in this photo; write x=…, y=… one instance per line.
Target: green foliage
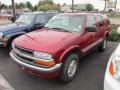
x=24, y=5
x=29, y=5
x=35, y=8
x=46, y=5
x=114, y=36
x=89, y=7
x=3, y=6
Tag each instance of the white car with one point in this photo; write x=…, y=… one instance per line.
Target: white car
x=112, y=76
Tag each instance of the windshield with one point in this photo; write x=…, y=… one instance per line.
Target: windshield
x=67, y=22
x=25, y=18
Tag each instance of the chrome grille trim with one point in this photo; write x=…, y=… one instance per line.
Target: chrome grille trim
x=28, y=56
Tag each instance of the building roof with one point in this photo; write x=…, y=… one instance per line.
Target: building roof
x=18, y=10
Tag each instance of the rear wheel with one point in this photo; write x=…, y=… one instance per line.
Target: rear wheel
x=103, y=45
x=69, y=68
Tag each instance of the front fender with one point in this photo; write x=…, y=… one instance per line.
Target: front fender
x=67, y=51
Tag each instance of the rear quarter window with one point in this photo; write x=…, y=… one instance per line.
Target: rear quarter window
x=100, y=21
x=99, y=18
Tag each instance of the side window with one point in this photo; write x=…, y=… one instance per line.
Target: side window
x=40, y=19
x=99, y=18
x=91, y=21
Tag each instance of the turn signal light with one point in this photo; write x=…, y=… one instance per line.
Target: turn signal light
x=45, y=63
x=111, y=69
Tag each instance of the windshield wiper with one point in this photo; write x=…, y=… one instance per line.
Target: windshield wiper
x=61, y=29
x=20, y=22
x=47, y=27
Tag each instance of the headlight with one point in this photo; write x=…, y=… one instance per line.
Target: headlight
x=1, y=35
x=42, y=55
x=114, y=67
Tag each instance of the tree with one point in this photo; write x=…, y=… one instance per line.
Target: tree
x=2, y=6
x=89, y=7
x=17, y=6
x=64, y=4
x=35, y=8
x=46, y=5
x=22, y=5
x=29, y=5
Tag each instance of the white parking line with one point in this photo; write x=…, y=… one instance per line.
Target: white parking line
x=4, y=85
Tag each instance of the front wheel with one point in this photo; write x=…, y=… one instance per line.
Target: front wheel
x=103, y=45
x=69, y=68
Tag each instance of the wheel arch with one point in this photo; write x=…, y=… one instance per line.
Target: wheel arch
x=75, y=49
x=13, y=36
x=106, y=34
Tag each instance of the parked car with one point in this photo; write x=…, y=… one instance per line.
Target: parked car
x=56, y=49
x=112, y=76
x=27, y=22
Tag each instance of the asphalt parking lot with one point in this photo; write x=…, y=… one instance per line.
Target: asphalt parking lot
x=90, y=75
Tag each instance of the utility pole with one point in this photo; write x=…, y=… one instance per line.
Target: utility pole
x=72, y=5
x=14, y=13
x=115, y=6
x=105, y=5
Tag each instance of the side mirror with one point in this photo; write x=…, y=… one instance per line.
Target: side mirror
x=91, y=29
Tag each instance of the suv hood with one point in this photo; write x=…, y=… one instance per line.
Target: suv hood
x=6, y=28
x=45, y=40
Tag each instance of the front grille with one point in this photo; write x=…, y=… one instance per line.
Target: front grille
x=26, y=60
x=20, y=52
x=23, y=59
x=23, y=50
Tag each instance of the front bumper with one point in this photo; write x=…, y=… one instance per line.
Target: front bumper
x=110, y=83
x=38, y=71
x=3, y=44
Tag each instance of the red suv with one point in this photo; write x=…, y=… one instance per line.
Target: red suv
x=56, y=49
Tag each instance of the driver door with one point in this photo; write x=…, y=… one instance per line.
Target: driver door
x=89, y=38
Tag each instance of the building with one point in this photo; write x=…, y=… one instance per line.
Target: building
x=77, y=8
x=66, y=8
x=10, y=11
x=111, y=6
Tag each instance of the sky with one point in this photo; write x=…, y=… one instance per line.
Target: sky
x=98, y=4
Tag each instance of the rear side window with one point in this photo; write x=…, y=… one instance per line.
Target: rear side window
x=91, y=21
x=105, y=18
x=99, y=18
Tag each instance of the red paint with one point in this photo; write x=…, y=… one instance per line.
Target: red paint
x=60, y=43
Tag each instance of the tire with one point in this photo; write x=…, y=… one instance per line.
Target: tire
x=10, y=44
x=69, y=68
x=103, y=45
